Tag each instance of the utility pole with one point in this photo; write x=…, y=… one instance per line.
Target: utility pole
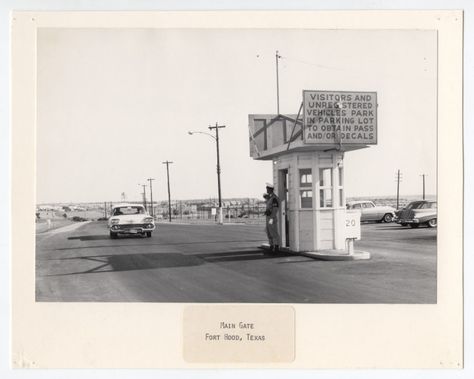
x=216, y=128
x=423, y=175
x=152, y=211
x=167, y=163
x=399, y=179
x=144, y=195
x=277, y=56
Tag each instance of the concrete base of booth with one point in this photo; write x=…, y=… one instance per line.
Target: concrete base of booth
x=326, y=255
x=337, y=255
x=282, y=249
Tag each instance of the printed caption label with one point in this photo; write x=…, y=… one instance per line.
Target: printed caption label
x=230, y=333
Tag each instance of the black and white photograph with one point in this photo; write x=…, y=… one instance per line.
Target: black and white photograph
x=237, y=189
x=226, y=165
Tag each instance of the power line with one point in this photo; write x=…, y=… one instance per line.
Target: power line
x=313, y=64
x=279, y=56
x=324, y=67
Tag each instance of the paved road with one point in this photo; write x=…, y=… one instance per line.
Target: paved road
x=220, y=263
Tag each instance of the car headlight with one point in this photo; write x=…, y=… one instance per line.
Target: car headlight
x=148, y=219
x=114, y=221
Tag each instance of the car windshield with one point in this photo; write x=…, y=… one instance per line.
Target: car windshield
x=421, y=205
x=353, y=206
x=128, y=211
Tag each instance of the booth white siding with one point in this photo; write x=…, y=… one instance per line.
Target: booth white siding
x=315, y=228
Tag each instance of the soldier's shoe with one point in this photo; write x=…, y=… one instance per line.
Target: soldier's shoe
x=276, y=249
x=270, y=250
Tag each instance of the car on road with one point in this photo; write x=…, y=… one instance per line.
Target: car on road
x=371, y=212
x=130, y=219
x=421, y=212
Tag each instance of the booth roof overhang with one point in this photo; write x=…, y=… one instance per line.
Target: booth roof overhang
x=273, y=135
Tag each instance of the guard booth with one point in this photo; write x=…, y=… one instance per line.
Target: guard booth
x=308, y=151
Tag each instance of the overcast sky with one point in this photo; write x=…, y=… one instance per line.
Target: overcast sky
x=113, y=104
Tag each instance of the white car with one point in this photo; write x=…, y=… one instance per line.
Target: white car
x=371, y=212
x=130, y=219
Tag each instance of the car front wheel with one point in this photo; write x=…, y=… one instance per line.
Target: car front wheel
x=433, y=223
x=148, y=234
x=388, y=218
x=113, y=235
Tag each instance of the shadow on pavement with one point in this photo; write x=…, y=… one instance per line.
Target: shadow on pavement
x=114, y=244
x=128, y=262
x=90, y=238
x=148, y=261
x=241, y=256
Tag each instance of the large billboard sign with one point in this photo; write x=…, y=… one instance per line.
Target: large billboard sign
x=340, y=117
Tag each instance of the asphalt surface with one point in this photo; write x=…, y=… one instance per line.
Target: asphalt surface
x=221, y=263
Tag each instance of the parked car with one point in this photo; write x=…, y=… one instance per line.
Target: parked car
x=421, y=212
x=78, y=219
x=371, y=212
x=130, y=219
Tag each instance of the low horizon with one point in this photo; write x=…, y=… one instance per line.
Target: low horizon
x=214, y=199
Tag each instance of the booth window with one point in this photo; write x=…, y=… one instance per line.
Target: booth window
x=306, y=185
x=325, y=188
x=341, y=186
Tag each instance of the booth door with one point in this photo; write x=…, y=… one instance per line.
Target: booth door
x=284, y=217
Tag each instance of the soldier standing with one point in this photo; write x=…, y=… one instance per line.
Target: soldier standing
x=271, y=213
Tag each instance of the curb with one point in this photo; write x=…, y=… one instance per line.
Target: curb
x=337, y=255
x=325, y=255
x=63, y=229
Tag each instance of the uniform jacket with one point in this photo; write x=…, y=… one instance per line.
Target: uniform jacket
x=272, y=205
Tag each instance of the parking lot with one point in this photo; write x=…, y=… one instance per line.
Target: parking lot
x=222, y=263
